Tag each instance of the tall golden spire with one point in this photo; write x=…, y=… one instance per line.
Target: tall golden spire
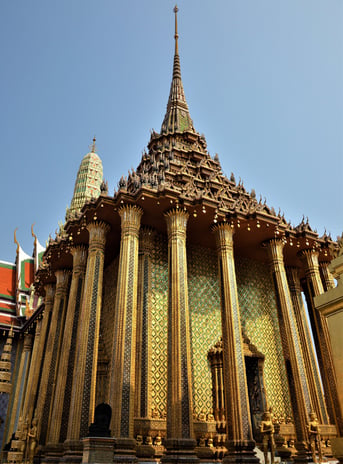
x=177, y=118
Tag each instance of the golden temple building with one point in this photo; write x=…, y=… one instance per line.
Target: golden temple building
x=178, y=302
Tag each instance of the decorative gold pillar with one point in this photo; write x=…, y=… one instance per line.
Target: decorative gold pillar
x=52, y=354
x=21, y=382
x=240, y=442
x=314, y=287
x=122, y=382
x=291, y=346
x=42, y=329
x=5, y=365
x=310, y=363
x=6, y=380
x=143, y=358
x=327, y=278
x=61, y=403
x=82, y=402
x=180, y=441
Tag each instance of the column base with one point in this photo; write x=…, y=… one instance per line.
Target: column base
x=205, y=453
x=180, y=450
x=145, y=452
x=53, y=453
x=284, y=453
x=303, y=453
x=337, y=448
x=240, y=451
x=97, y=450
x=125, y=451
x=73, y=450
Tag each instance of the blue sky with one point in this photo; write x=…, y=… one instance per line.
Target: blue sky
x=263, y=80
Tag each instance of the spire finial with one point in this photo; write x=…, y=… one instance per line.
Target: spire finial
x=176, y=36
x=16, y=241
x=177, y=117
x=33, y=234
x=93, y=145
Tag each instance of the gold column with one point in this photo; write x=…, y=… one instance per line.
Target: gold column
x=327, y=278
x=61, y=403
x=5, y=365
x=313, y=288
x=52, y=354
x=42, y=329
x=82, y=402
x=21, y=382
x=310, y=363
x=291, y=346
x=180, y=441
x=239, y=432
x=122, y=382
x=143, y=358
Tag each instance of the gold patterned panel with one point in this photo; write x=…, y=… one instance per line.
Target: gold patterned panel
x=204, y=307
x=258, y=316
x=159, y=324
x=260, y=323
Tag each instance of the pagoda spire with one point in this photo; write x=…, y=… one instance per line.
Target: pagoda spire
x=177, y=117
x=88, y=181
x=93, y=147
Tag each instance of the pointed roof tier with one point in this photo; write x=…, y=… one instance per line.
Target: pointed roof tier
x=178, y=163
x=177, y=117
x=88, y=181
x=177, y=171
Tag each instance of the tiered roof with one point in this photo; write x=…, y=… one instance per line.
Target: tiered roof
x=17, y=297
x=176, y=170
x=178, y=161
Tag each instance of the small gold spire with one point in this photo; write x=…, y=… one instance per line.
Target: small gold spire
x=176, y=36
x=33, y=234
x=16, y=241
x=93, y=145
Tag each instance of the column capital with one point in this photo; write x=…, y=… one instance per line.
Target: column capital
x=49, y=294
x=293, y=278
x=274, y=248
x=62, y=280
x=176, y=219
x=97, y=235
x=327, y=275
x=309, y=257
x=223, y=233
x=130, y=216
x=79, y=254
x=28, y=341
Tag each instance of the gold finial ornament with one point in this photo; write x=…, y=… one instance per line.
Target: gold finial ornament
x=16, y=241
x=33, y=234
x=176, y=36
x=93, y=149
